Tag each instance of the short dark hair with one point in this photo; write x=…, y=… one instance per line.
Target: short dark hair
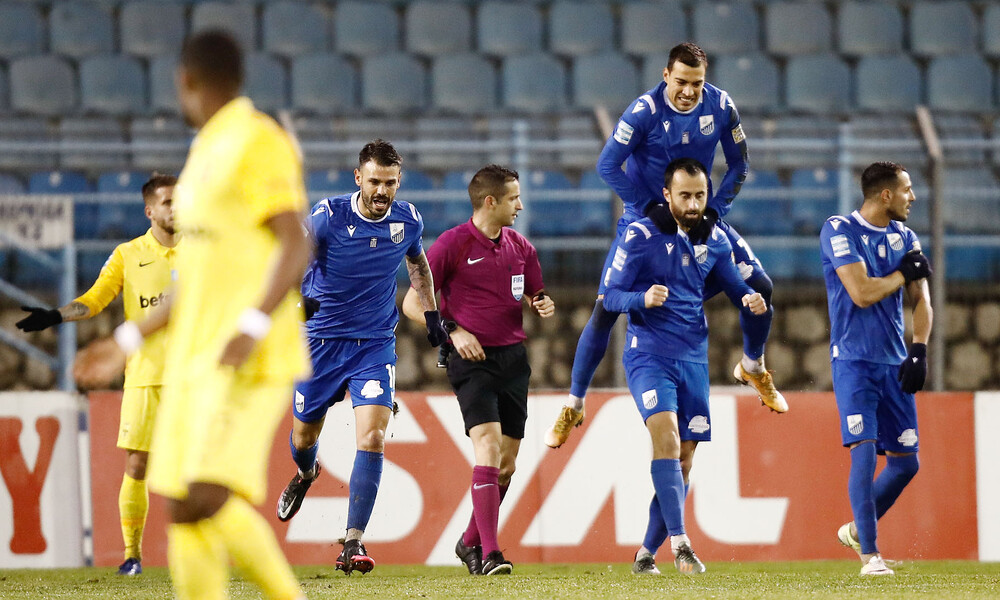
x=689, y=54
x=688, y=165
x=214, y=57
x=380, y=151
x=489, y=181
x=156, y=181
x=879, y=176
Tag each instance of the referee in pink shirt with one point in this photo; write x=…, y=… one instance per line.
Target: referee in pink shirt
x=486, y=272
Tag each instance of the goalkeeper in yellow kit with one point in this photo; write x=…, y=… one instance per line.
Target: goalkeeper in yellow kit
x=235, y=331
x=140, y=270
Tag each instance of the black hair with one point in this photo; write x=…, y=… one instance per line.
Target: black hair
x=380, y=151
x=689, y=54
x=489, y=181
x=214, y=58
x=688, y=165
x=879, y=176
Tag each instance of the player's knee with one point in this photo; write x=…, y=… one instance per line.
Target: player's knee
x=135, y=465
x=506, y=472
x=303, y=440
x=202, y=502
x=908, y=464
x=372, y=441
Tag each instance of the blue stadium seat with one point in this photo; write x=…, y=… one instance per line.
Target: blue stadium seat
x=415, y=180
x=820, y=127
x=456, y=209
x=960, y=84
x=938, y=28
x=597, y=216
x=888, y=84
x=548, y=213
x=580, y=28
x=266, y=81
x=592, y=75
x=22, y=30
x=446, y=157
x=815, y=198
x=294, y=28
x=795, y=28
x=59, y=182
x=534, y=83
x=159, y=130
x=438, y=28
x=237, y=19
x=162, y=93
x=579, y=127
x=507, y=28
x=28, y=129
x=464, y=83
x=122, y=182
x=888, y=128
x=42, y=85
x=752, y=80
x=112, y=85
x=354, y=23
x=324, y=84
x=971, y=205
x=649, y=27
x=151, y=29
x=415, y=188
x=652, y=69
x=11, y=184
x=4, y=91
x=726, y=27
x=85, y=133
x=393, y=83
x=961, y=127
x=818, y=84
x=991, y=31
x=757, y=210
x=331, y=183
x=79, y=29
x=869, y=28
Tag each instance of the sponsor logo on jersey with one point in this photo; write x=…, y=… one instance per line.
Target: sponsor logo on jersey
x=895, y=241
x=350, y=230
x=372, y=389
x=670, y=248
x=855, y=424
x=623, y=133
x=839, y=245
x=649, y=399
x=145, y=302
x=699, y=424
x=619, y=260
x=864, y=238
x=701, y=253
x=473, y=261
x=146, y=264
x=738, y=135
x=835, y=224
x=396, y=232
x=666, y=126
x=629, y=234
x=517, y=286
x=706, y=124
x=639, y=105
x=908, y=437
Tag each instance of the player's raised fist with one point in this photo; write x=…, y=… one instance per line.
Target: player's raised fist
x=656, y=295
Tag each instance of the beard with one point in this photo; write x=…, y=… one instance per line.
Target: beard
x=369, y=202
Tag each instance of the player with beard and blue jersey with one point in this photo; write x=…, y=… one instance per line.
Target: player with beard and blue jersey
x=869, y=259
x=658, y=276
x=360, y=240
x=681, y=117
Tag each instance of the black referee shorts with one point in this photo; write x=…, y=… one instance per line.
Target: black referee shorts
x=494, y=390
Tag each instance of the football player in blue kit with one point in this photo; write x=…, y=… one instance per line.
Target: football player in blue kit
x=658, y=276
x=869, y=259
x=683, y=116
x=360, y=240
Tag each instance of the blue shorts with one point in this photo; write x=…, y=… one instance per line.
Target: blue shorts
x=873, y=407
x=746, y=262
x=661, y=384
x=366, y=368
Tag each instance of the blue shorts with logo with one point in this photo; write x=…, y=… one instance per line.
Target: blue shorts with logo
x=660, y=384
x=873, y=406
x=366, y=368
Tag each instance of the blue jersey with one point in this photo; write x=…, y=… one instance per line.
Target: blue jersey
x=354, y=273
x=873, y=334
x=651, y=133
x=647, y=256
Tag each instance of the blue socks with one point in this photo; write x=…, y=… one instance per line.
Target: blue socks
x=591, y=348
x=756, y=328
x=898, y=472
x=656, y=529
x=860, y=490
x=669, y=485
x=365, y=477
x=304, y=459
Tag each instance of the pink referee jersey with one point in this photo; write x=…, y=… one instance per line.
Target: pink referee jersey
x=482, y=281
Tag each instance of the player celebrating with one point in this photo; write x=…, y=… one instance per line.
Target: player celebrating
x=869, y=258
x=351, y=336
x=658, y=276
x=490, y=374
x=140, y=271
x=681, y=117
x=234, y=340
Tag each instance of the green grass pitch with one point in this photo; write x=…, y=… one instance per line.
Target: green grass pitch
x=770, y=581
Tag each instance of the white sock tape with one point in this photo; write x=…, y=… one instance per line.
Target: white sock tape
x=254, y=323
x=128, y=337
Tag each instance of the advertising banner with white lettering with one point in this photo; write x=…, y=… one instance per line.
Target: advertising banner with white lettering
x=40, y=501
x=768, y=487
x=37, y=221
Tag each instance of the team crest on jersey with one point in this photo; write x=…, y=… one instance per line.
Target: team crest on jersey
x=300, y=402
x=895, y=241
x=517, y=286
x=701, y=253
x=396, y=232
x=706, y=124
x=855, y=424
x=649, y=399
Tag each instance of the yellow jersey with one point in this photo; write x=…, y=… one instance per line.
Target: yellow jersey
x=141, y=270
x=242, y=169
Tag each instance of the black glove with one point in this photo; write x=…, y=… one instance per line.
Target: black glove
x=662, y=217
x=39, y=319
x=309, y=306
x=436, y=332
x=700, y=233
x=914, y=265
x=913, y=370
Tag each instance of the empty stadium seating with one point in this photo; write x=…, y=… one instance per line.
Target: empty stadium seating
x=794, y=28
x=22, y=30
x=869, y=28
x=506, y=28
x=80, y=29
x=650, y=27
x=438, y=28
x=294, y=28
x=324, y=83
x=151, y=29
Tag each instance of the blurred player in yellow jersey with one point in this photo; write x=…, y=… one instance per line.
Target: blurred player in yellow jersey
x=140, y=271
x=235, y=342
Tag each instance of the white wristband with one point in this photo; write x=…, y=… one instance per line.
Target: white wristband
x=128, y=337
x=254, y=323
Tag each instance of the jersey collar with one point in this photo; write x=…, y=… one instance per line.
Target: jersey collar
x=482, y=239
x=155, y=244
x=861, y=221
x=671, y=106
x=354, y=207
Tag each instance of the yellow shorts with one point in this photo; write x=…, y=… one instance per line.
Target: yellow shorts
x=216, y=428
x=138, y=413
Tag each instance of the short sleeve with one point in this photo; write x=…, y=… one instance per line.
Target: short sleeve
x=440, y=260
x=109, y=283
x=837, y=244
x=273, y=181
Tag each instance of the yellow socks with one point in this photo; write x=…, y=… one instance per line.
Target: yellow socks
x=199, y=566
x=133, y=505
